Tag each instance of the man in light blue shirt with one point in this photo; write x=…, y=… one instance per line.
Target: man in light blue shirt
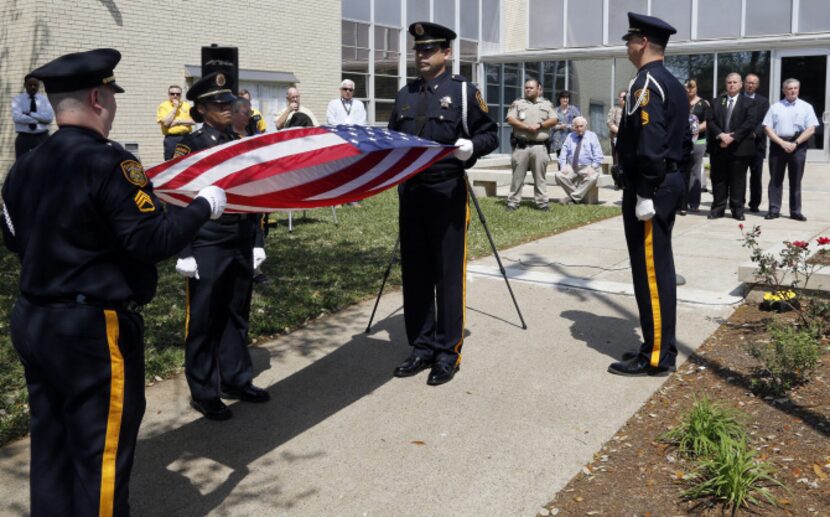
x=789, y=124
x=579, y=162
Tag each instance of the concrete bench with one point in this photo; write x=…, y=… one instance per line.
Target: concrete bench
x=485, y=182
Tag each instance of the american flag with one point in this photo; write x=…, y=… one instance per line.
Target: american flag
x=298, y=168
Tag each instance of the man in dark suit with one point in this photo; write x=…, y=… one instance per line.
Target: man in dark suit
x=756, y=164
x=731, y=147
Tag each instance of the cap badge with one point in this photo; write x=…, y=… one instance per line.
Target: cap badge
x=419, y=29
x=446, y=102
x=220, y=80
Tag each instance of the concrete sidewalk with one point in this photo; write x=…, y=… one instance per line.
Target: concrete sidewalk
x=527, y=410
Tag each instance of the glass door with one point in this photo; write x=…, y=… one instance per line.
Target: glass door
x=810, y=67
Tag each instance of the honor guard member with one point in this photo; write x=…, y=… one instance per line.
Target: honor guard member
x=219, y=265
x=81, y=215
x=434, y=205
x=650, y=145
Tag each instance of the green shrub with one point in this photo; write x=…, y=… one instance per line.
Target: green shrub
x=704, y=427
x=787, y=360
x=733, y=477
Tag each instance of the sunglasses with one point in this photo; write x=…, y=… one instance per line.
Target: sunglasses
x=175, y=94
x=347, y=89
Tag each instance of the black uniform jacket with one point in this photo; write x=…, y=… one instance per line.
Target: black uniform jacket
x=444, y=117
x=83, y=219
x=655, y=120
x=743, y=124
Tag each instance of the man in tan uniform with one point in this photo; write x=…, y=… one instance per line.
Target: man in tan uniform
x=531, y=118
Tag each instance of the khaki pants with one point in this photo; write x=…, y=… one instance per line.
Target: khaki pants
x=535, y=158
x=578, y=183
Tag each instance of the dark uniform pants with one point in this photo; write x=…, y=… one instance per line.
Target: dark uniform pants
x=792, y=164
x=652, y=269
x=728, y=184
x=218, y=307
x=756, y=173
x=433, y=225
x=25, y=142
x=85, y=373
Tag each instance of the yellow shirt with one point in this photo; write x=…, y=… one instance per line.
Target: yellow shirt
x=182, y=114
x=261, y=126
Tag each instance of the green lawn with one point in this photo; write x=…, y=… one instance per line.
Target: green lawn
x=317, y=269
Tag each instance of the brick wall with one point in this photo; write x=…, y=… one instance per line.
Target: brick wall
x=515, y=25
x=278, y=35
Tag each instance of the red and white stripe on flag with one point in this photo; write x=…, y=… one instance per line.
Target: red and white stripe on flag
x=298, y=168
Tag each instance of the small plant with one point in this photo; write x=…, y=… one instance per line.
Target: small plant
x=787, y=360
x=734, y=477
x=704, y=428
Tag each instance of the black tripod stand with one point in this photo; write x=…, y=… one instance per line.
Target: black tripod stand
x=394, y=258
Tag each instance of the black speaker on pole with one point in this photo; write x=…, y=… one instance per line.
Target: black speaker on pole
x=222, y=59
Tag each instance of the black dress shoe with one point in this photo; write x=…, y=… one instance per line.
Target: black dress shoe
x=213, y=409
x=714, y=216
x=772, y=215
x=638, y=367
x=412, y=366
x=247, y=393
x=739, y=217
x=441, y=373
x=798, y=217
x=754, y=209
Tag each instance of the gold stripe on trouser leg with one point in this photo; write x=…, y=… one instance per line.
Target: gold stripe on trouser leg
x=656, y=317
x=457, y=347
x=116, y=409
x=186, y=307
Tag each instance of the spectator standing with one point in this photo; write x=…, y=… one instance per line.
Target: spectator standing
x=256, y=124
x=346, y=109
x=295, y=115
x=531, y=118
x=32, y=114
x=731, y=146
x=173, y=116
x=756, y=165
x=579, y=162
x=565, y=115
x=612, y=120
x=241, y=117
x=789, y=124
x=694, y=174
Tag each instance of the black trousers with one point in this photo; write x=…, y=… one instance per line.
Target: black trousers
x=25, y=142
x=85, y=373
x=170, y=143
x=433, y=227
x=792, y=164
x=728, y=183
x=218, y=307
x=652, y=269
x=756, y=174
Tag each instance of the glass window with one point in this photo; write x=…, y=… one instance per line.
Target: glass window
x=553, y=78
x=812, y=16
x=590, y=87
x=383, y=110
x=743, y=63
x=676, y=12
x=618, y=17
x=469, y=19
x=416, y=11
x=443, y=12
x=355, y=56
x=388, y=13
x=411, y=72
x=387, y=57
x=545, y=25
x=468, y=59
x=700, y=67
x=584, y=23
x=718, y=19
x=769, y=17
x=356, y=9
x=490, y=20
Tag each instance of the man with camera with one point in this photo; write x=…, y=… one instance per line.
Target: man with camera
x=531, y=118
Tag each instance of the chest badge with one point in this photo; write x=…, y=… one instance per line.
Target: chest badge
x=134, y=173
x=446, y=102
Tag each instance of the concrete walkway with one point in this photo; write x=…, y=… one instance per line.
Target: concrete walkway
x=527, y=410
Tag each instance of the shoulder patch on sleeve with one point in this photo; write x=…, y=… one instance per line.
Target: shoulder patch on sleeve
x=144, y=202
x=134, y=173
x=645, y=94
x=181, y=150
x=481, y=103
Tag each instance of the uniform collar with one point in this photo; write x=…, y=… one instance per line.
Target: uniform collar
x=653, y=64
x=439, y=80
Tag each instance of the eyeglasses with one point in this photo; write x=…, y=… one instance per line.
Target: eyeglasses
x=175, y=94
x=347, y=89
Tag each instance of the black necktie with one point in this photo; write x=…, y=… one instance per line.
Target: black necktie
x=729, y=106
x=421, y=114
x=32, y=109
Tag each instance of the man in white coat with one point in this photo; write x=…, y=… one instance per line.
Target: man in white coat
x=346, y=109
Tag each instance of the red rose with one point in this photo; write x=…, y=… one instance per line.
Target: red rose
x=823, y=240
x=800, y=244
x=741, y=226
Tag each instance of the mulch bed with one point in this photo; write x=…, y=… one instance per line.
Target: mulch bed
x=635, y=475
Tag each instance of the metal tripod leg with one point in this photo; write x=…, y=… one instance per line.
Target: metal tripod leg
x=392, y=261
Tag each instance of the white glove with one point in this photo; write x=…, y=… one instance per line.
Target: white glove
x=465, y=149
x=187, y=267
x=217, y=199
x=644, y=209
x=259, y=257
